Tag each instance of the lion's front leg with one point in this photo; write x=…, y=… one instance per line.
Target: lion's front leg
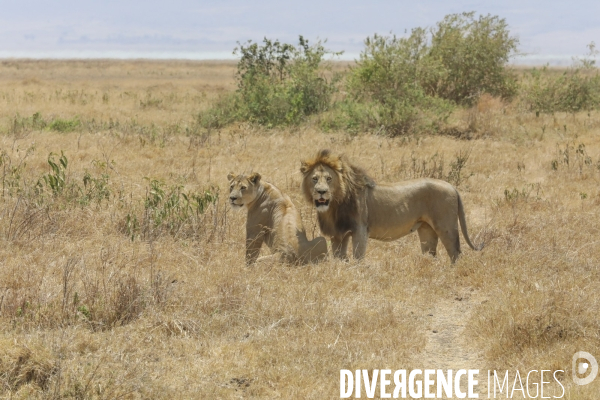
x=254, y=241
x=359, y=242
x=428, y=239
x=339, y=246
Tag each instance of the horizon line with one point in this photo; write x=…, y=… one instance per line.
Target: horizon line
x=527, y=59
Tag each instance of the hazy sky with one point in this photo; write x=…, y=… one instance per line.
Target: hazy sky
x=546, y=28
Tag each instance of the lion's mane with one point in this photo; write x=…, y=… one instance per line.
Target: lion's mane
x=348, y=199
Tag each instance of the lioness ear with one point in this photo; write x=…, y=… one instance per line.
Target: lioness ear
x=254, y=178
x=230, y=176
x=303, y=167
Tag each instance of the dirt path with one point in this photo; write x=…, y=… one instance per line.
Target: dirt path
x=447, y=346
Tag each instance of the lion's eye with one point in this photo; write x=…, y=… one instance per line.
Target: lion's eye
x=328, y=179
x=315, y=179
x=230, y=188
x=244, y=188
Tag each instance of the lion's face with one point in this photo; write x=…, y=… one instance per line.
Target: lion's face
x=322, y=183
x=243, y=189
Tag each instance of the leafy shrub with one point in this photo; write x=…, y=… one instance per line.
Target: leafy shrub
x=573, y=90
x=412, y=83
x=278, y=84
x=95, y=189
x=351, y=116
x=69, y=192
x=20, y=124
x=577, y=89
x=572, y=156
x=224, y=112
x=168, y=210
x=394, y=117
x=467, y=57
x=385, y=80
x=64, y=125
x=56, y=179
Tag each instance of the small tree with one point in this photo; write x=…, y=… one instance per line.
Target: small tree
x=473, y=54
x=411, y=83
x=387, y=79
x=280, y=83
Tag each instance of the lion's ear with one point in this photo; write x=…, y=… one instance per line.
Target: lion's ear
x=230, y=176
x=303, y=167
x=254, y=178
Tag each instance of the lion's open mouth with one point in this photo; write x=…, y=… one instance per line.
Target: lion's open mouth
x=322, y=202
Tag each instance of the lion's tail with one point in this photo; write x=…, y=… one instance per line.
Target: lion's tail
x=463, y=224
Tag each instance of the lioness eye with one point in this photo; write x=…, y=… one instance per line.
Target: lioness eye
x=244, y=188
x=328, y=179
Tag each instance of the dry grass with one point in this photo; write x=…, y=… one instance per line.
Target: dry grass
x=86, y=312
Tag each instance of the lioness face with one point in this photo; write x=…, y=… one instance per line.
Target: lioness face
x=323, y=181
x=243, y=189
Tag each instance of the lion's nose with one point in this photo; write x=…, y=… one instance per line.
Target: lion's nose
x=232, y=198
x=321, y=191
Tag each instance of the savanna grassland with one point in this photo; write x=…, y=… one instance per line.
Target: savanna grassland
x=122, y=269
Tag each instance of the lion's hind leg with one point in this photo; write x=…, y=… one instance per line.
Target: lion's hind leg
x=428, y=239
x=451, y=241
x=253, y=243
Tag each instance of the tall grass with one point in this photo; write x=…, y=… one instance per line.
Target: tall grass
x=87, y=312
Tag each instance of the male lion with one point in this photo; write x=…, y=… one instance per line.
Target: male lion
x=274, y=220
x=350, y=203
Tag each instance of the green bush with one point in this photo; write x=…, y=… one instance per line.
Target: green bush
x=410, y=84
x=386, y=83
x=224, y=112
x=36, y=122
x=577, y=89
x=19, y=125
x=95, y=189
x=458, y=60
x=468, y=57
x=64, y=125
x=278, y=84
x=394, y=117
x=399, y=85
x=55, y=180
x=57, y=187
x=169, y=210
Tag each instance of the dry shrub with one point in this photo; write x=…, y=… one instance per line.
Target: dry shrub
x=542, y=283
x=532, y=317
x=27, y=220
x=21, y=365
x=127, y=302
x=16, y=303
x=435, y=167
x=485, y=118
x=180, y=327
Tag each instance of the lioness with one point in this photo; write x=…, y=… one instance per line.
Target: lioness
x=350, y=203
x=274, y=220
